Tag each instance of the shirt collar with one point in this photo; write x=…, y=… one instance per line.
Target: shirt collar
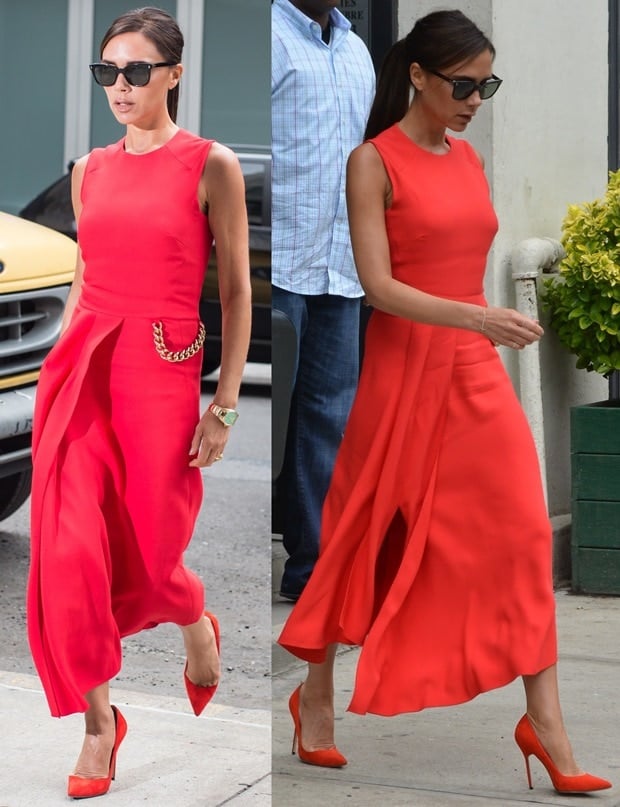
x=306, y=25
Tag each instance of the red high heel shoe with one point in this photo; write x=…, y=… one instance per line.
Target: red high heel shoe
x=530, y=745
x=199, y=696
x=325, y=757
x=80, y=787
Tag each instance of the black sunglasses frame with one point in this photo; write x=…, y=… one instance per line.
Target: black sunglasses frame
x=462, y=88
x=126, y=71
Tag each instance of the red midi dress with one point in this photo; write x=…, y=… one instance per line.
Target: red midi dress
x=114, y=500
x=435, y=545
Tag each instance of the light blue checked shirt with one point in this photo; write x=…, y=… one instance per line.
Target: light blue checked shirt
x=320, y=100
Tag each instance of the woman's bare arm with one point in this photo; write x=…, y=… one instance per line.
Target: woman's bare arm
x=77, y=175
x=223, y=192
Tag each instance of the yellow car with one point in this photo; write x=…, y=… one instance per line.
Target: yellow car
x=36, y=270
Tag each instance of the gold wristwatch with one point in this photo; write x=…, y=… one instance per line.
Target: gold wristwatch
x=227, y=416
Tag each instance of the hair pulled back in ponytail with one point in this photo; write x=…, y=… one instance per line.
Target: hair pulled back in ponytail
x=437, y=41
x=163, y=31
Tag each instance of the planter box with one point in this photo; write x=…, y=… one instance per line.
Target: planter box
x=595, y=465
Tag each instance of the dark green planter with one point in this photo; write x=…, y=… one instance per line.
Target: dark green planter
x=595, y=464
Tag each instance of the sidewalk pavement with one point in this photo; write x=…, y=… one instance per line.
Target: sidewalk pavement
x=464, y=756
x=169, y=758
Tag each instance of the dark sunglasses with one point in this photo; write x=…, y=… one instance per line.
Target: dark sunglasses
x=138, y=74
x=462, y=88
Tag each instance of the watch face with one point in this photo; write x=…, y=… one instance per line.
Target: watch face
x=230, y=418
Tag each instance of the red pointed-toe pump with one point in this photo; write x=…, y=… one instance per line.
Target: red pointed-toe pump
x=325, y=757
x=199, y=696
x=530, y=745
x=80, y=787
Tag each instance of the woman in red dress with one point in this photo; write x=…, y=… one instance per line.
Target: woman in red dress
x=436, y=544
x=118, y=441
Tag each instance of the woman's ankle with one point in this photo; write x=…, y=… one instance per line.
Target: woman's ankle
x=203, y=659
x=100, y=720
x=313, y=696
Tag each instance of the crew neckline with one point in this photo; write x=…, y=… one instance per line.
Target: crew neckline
x=448, y=141
x=152, y=151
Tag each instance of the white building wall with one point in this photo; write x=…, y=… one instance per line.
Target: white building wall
x=544, y=140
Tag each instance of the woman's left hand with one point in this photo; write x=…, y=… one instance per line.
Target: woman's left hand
x=208, y=442
x=509, y=328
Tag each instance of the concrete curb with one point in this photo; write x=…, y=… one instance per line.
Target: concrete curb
x=169, y=757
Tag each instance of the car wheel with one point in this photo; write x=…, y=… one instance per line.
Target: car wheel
x=14, y=490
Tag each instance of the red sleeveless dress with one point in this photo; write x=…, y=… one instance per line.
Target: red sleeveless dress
x=436, y=544
x=114, y=500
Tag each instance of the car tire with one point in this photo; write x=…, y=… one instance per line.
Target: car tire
x=14, y=490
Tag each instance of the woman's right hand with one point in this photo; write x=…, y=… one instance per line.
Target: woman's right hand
x=507, y=327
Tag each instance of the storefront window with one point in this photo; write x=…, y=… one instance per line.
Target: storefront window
x=32, y=97
x=375, y=22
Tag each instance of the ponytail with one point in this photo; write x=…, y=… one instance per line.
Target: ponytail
x=172, y=102
x=437, y=41
x=393, y=90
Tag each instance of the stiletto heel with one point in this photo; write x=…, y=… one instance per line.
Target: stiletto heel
x=81, y=787
x=528, y=771
x=325, y=757
x=530, y=745
x=199, y=696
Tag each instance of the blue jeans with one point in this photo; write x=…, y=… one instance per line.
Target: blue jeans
x=327, y=328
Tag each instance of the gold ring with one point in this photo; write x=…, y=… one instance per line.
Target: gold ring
x=218, y=457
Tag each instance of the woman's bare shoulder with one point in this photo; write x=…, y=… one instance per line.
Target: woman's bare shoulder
x=365, y=156
x=221, y=158
x=77, y=176
x=367, y=175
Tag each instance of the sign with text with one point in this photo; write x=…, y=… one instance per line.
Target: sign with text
x=358, y=14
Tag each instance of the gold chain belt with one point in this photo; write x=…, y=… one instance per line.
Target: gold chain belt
x=177, y=355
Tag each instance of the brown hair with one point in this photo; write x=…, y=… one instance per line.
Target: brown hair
x=163, y=31
x=438, y=40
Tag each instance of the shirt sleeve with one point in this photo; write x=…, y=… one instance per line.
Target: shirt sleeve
x=279, y=58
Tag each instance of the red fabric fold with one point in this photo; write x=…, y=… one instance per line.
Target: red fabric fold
x=435, y=549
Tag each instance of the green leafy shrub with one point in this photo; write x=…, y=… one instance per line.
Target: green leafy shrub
x=583, y=299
